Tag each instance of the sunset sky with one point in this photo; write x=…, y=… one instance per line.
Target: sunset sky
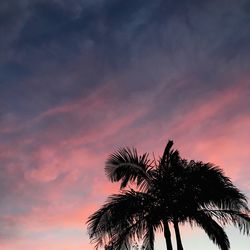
x=79, y=79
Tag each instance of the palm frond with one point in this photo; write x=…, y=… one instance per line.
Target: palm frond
x=123, y=214
x=237, y=218
x=212, y=187
x=166, y=153
x=214, y=231
x=126, y=165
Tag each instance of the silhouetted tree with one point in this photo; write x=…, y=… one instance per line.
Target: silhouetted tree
x=171, y=190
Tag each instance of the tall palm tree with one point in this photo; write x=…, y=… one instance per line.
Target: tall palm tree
x=171, y=190
x=198, y=193
x=197, y=190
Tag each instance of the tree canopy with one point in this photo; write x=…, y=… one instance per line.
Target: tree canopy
x=171, y=190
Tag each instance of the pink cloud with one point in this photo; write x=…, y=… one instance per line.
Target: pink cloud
x=67, y=167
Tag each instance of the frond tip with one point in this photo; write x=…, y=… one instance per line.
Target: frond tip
x=214, y=231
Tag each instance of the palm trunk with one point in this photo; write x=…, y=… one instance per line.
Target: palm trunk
x=177, y=235
x=167, y=236
x=126, y=246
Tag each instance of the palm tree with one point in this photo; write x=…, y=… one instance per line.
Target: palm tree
x=124, y=218
x=197, y=192
x=171, y=190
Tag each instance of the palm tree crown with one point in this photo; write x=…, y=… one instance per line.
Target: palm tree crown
x=170, y=190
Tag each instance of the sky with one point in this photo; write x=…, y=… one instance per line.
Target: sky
x=80, y=79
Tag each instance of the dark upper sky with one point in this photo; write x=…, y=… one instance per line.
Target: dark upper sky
x=80, y=78
x=65, y=50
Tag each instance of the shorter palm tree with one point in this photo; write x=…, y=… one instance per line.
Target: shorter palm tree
x=122, y=219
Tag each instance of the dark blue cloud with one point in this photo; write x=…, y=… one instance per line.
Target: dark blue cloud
x=55, y=53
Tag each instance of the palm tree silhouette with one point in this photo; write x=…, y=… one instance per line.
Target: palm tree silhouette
x=171, y=190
